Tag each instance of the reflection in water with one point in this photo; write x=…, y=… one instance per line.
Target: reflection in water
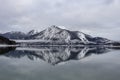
x=53, y=55
x=4, y=50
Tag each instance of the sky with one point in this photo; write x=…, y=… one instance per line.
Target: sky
x=94, y=17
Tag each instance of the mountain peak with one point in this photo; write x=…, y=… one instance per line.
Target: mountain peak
x=54, y=27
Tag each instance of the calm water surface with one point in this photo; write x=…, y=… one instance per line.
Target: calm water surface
x=59, y=63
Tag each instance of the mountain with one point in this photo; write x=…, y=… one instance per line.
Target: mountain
x=4, y=40
x=17, y=35
x=14, y=35
x=57, y=34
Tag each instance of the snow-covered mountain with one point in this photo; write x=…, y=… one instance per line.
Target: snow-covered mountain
x=57, y=34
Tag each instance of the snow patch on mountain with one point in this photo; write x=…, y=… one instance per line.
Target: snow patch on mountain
x=62, y=27
x=83, y=38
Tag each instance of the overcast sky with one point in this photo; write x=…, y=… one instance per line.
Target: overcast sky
x=94, y=17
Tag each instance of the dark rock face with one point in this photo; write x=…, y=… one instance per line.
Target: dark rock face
x=4, y=40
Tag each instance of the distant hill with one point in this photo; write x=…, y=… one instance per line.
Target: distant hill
x=4, y=40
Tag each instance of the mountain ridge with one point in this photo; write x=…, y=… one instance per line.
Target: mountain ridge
x=58, y=35
x=55, y=33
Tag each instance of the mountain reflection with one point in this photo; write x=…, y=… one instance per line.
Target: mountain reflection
x=4, y=50
x=53, y=55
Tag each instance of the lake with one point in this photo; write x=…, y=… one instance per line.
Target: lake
x=59, y=63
